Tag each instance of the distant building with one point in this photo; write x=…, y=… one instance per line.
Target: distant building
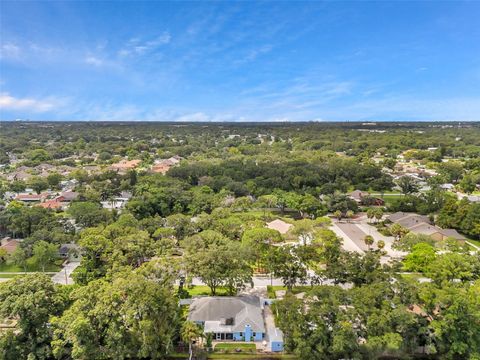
x=9, y=244
x=52, y=204
x=29, y=198
x=364, y=198
x=162, y=166
x=125, y=165
x=67, y=196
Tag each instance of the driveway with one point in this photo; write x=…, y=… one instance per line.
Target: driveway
x=354, y=233
x=273, y=333
x=363, y=223
x=348, y=243
x=63, y=276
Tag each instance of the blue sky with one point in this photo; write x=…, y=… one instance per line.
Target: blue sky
x=240, y=61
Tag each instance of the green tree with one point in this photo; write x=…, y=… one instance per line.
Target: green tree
x=408, y=185
x=224, y=264
x=38, y=184
x=369, y=241
x=3, y=255
x=189, y=333
x=287, y=264
x=54, y=179
x=380, y=244
x=19, y=258
x=398, y=231
x=420, y=258
x=451, y=266
x=44, y=253
x=88, y=214
x=31, y=299
x=130, y=317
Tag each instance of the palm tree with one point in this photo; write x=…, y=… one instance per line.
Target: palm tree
x=378, y=214
x=338, y=214
x=370, y=213
x=368, y=239
x=380, y=244
x=190, y=332
x=349, y=214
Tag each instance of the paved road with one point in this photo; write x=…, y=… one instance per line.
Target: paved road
x=63, y=276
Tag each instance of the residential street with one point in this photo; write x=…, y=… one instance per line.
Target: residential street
x=63, y=276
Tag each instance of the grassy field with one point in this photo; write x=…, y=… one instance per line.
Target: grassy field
x=391, y=199
x=31, y=267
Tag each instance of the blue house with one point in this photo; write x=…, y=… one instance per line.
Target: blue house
x=229, y=318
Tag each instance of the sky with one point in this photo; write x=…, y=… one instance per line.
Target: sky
x=240, y=61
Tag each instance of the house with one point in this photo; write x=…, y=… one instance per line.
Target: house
x=67, y=196
x=52, y=204
x=31, y=197
x=471, y=198
x=420, y=224
x=357, y=195
x=364, y=198
x=70, y=251
x=9, y=244
x=281, y=226
x=229, y=318
x=162, y=166
x=118, y=202
x=447, y=186
x=125, y=165
x=18, y=175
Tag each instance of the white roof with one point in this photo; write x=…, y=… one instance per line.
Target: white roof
x=281, y=226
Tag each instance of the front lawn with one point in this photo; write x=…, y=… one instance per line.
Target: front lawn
x=197, y=290
x=31, y=267
x=234, y=347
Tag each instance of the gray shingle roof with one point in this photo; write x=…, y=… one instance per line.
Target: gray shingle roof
x=244, y=310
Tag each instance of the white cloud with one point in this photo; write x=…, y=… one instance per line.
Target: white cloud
x=92, y=60
x=135, y=46
x=8, y=102
x=254, y=53
x=10, y=51
x=194, y=117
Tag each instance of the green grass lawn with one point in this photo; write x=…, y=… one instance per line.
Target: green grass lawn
x=235, y=346
x=9, y=276
x=197, y=290
x=31, y=267
x=250, y=356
